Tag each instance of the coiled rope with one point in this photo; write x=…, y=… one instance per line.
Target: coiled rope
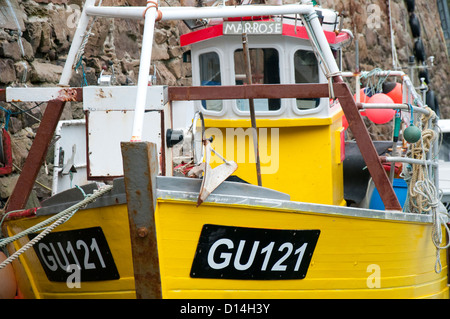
x=439, y=219
x=57, y=220
x=423, y=196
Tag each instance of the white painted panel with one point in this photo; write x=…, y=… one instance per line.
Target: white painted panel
x=29, y=94
x=182, y=114
x=117, y=98
x=107, y=130
x=71, y=132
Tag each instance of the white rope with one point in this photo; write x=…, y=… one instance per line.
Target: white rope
x=88, y=199
x=31, y=243
x=376, y=86
x=439, y=220
x=86, y=36
x=60, y=219
x=423, y=196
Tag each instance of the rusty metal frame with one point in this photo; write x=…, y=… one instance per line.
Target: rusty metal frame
x=2, y=95
x=271, y=91
x=8, y=162
x=39, y=148
x=343, y=94
x=255, y=91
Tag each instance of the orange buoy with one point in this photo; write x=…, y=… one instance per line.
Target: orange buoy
x=394, y=91
x=364, y=95
x=8, y=286
x=344, y=122
x=380, y=116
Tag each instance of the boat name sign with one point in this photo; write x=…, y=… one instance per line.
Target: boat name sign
x=86, y=249
x=252, y=27
x=228, y=252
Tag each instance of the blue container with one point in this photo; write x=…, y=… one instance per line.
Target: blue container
x=400, y=189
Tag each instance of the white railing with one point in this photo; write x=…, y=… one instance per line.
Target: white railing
x=410, y=97
x=152, y=12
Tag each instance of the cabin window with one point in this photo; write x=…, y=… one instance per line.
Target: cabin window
x=265, y=70
x=306, y=71
x=210, y=75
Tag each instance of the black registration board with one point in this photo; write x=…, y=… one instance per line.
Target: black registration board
x=86, y=249
x=229, y=252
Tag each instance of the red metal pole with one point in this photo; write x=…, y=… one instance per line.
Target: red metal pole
x=365, y=144
x=36, y=156
x=2, y=95
x=39, y=148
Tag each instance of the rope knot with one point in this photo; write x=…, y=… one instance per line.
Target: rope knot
x=329, y=77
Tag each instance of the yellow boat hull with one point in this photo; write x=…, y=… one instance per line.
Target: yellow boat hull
x=358, y=254
x=32, y=279
x=353, y=258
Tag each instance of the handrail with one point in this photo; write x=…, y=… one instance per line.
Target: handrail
x=151, y=12
x=406, y=80
x=410, y=97
x=255, y=91
x=393, y=106
x=188, y=13
x=394, y=159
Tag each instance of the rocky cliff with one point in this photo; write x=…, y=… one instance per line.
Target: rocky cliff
x=35, y=36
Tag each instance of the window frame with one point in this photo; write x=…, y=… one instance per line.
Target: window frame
x=197, y=81
x=232, y=49
x=324, y=102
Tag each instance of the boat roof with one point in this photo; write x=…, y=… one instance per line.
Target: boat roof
x=334, y=38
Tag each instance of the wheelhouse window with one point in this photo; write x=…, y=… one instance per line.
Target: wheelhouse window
x=210, y=75
x=265, y=69
x=306, y=71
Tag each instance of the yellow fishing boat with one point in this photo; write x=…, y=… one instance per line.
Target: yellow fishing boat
x=240, y=186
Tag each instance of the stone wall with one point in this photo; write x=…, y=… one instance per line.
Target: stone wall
x=369, y=21
x=34, y=41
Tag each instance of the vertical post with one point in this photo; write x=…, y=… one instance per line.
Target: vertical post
x=76, y=44
x=248, y=72
x=140, y=166
x=357, y=72
x=358, y=88
x=144, y=70
x=435, y=157
x=397, y=127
